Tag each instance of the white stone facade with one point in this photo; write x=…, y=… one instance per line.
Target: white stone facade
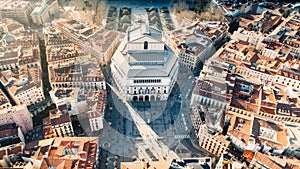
x=96, y=123
x=42, y=12
x=144, y=67
x=19, y=10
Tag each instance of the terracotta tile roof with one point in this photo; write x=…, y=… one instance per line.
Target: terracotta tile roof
x=2, y=153
x=244, y=22
x=64, y=118
x=249, y=155
x=278, y=140
x=57, y=163
x=15, y=149
x=240, y=126
x=65, y=153
x=263, y=158
x=8, y=130
x=146, y=165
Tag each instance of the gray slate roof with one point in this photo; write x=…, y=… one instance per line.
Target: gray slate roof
x=143, y=30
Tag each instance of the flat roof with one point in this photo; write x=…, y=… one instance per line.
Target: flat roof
x=39, y=9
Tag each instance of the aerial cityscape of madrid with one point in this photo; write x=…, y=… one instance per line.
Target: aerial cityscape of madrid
x=149, y=84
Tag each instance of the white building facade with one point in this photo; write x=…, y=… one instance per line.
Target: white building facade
x=144, y=67
x=96, y=122
x=43, y=11
x=40, y=14
x=32, y=95
x=18, y=10
x=21, y=88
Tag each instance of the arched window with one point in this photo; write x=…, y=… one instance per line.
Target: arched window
x=145, y=45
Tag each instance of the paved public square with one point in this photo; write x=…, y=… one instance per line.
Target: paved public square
x=170, y=120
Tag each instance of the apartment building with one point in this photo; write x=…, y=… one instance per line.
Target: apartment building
x=53, y=6
x=195, y=44
x=19, y=49
x=215, y=144
x=239, y=130
x=24, y=84
x=10, y=152
x=261, y=160
x=99, y=43
x=4, y=101
x=12, y=143
x=54, y=38
x=253, y=37
x=237, y=48
x=284, y=108
x=43, y=11
x=96, y=114
x=58, y=123
x=66, y=152
x=106, y=43
x=270, y=137
x=78, y=73
x=3, y=3
x=18, y=10
x=228, y=161
x=260, y=22
x=18, y=114
x=81, y=102
x=259, y=74
x=211, y=88
x=40, y=14
x=288, y=31
x=250, y=73
x=11, y=134
x=65, y=68
x=263, y=65
x=191, y=49
x=276, y=60
x=11, y=26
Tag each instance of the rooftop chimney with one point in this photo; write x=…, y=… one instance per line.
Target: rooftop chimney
x=146, y=165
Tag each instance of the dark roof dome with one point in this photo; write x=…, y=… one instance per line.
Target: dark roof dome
x=9, y=38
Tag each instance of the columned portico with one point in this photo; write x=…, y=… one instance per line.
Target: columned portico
x=145, y=98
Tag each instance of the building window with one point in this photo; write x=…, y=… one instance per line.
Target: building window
x=145, y=45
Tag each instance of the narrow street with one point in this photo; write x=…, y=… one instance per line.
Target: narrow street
x=44, y=65
x=11, y=100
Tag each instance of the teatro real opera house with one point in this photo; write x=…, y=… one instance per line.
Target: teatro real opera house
x=144, y=67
